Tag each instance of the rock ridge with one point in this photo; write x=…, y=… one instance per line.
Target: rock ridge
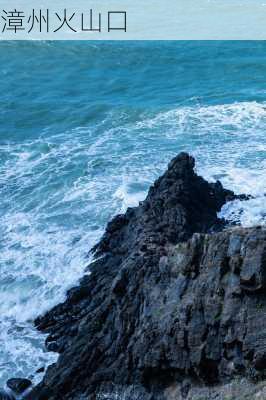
x=172, y=300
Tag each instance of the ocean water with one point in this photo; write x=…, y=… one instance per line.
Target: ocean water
x=85, y=128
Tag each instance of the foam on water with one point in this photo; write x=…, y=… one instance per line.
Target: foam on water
x=248, y=213
x=41, y=255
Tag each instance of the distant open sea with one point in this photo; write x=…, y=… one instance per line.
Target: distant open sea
x=85, y=128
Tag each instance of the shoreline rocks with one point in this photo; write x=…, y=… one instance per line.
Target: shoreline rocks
x=16, y=388
x=18, y=385
x=173, y=300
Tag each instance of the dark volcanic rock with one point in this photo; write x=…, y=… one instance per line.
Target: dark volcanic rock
x=18, y=385
x=168, y=299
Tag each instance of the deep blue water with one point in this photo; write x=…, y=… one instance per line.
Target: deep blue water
x=85, y=128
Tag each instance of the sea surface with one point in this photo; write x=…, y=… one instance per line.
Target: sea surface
x=85, y=128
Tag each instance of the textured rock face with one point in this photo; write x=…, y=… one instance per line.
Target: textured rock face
x=170, y=302
x=18, y=385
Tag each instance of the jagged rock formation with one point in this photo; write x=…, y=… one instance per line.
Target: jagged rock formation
x=172, y=301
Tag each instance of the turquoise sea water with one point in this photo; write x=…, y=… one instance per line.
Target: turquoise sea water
x=85, y=128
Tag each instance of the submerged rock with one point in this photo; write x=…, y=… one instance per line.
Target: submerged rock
x=18, y=385
x=172, y=301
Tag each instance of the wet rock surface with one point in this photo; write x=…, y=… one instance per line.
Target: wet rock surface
x=18, y=385
x=172, y=301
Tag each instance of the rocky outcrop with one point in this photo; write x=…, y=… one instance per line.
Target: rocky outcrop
x=172, y=303
x=18, y=386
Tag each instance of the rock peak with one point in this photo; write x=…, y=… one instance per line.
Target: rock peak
x=178, y=204
x=183, y=162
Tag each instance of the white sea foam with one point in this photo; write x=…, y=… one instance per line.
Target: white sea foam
x=238, y=115
x=127, y=197
x=247, y=213
x=41, y=256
